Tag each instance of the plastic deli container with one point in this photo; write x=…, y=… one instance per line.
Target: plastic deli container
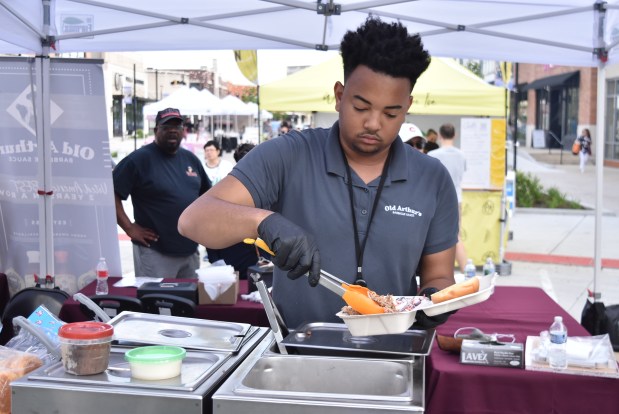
x=155, y=362
x=85, y=347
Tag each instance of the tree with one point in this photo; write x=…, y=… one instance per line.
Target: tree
x=245, y=93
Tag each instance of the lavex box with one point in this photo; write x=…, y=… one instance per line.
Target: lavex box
x=225, y=297
x=187, y=290
x=494, y=354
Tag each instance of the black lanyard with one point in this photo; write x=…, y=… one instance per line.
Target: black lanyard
x=360, y=248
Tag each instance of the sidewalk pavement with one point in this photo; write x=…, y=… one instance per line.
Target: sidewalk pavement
x=554, y=249
x=550, y=249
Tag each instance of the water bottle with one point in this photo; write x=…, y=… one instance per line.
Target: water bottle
x=557, y=355
x=489, y=267
x=102, y=275
x=469, y=269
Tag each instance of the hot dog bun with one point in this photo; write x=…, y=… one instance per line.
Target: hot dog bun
x=455, y=291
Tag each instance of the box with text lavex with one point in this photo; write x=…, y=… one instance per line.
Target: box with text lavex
x=493, y=354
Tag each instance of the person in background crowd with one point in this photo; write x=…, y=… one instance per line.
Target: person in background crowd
x=431, y=136
x=162, y=179
x=284, y=128
x=216, y=167
x=430, y=146
x=585, y=148
x=352, y=199
x=413, y=136
x=455, y=162
x=240, y=255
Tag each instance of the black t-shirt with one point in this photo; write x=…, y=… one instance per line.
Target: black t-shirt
x=161, y=186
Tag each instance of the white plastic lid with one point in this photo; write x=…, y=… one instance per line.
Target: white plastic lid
x=558, y=318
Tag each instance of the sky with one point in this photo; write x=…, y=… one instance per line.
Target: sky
x=272, y=64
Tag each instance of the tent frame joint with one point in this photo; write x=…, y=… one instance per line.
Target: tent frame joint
x=600, y=7
x=49, y=41
x=322, y=47
x=461, y=28
x=184, y=20
x=328, y=9
x=601, y=53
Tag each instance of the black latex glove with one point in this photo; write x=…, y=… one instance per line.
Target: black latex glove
x=295, y=250
x=423, y=321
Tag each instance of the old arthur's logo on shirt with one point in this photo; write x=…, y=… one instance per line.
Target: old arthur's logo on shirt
x=403, y=211
x=190, y=172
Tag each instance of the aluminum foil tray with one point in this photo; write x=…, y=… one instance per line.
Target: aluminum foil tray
x=196, y=368
x=336, y=337
x=189, y=333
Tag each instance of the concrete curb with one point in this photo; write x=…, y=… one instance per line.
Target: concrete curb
x=561, y=211
x=559, y=260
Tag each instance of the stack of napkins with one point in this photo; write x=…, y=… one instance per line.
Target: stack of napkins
x=216, y=279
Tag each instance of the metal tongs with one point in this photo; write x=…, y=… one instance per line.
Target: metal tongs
x=355, y=296
x=276, y=321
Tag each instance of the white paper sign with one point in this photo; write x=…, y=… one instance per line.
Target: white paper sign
x=475, y=143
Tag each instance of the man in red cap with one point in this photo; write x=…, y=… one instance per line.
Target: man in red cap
x=162, y=179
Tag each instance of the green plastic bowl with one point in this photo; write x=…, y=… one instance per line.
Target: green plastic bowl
x=155, y=362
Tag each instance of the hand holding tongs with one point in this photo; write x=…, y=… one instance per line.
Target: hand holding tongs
x=355, y=296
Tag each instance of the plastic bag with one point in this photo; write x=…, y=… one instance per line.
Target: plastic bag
x=13, y=365
x=38, y=335
x=24, y=341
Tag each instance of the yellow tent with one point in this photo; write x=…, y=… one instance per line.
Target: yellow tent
x=445, y=88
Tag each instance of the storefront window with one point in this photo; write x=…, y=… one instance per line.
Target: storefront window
x=571, y=112
x=611, y=140
x=543, y=110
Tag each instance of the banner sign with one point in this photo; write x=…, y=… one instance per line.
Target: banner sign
x=84, y=217
x=247, y=61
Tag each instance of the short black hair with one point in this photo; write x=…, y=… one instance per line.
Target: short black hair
x=430, y=146
x=385, y=48
x=212, y=143
x=242, y=150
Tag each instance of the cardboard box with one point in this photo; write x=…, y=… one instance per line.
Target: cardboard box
x=227, y=297
x=493, y=354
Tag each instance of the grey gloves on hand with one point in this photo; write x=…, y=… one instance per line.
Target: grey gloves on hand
x=295, y=250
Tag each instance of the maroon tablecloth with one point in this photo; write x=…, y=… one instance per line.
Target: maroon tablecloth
x=455, y=388
x=243, y=311
x=4, y=292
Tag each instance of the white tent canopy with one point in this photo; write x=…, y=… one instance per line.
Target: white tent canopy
x=231, y=105
x=189, y=101
x=562, y=32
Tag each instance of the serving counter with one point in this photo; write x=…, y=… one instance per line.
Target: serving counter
x=522, y=311
x=451, y=387
x=243, y=311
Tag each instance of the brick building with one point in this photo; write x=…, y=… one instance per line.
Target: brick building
x=555, y=103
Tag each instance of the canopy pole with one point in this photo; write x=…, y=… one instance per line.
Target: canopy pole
x=41, y=104
x=601, y=51
x=599, y=175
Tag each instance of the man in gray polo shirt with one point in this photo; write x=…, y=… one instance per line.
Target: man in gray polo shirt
x=453, y=159
x=352, y=199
